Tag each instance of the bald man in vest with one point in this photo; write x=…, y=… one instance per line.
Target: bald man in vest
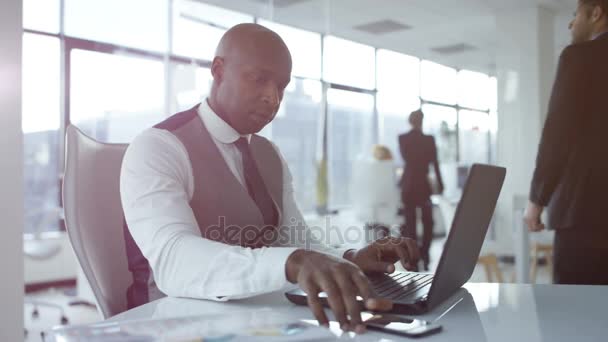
x=209, y=204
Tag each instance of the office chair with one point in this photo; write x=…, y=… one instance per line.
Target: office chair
x=94, y=217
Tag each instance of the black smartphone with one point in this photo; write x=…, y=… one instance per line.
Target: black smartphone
x=404, y=326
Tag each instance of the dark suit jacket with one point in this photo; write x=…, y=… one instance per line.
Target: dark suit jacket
x=571, y=175
x=419, y=152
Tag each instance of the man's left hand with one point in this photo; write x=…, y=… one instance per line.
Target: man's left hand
x=382, y=254
x=532, y=217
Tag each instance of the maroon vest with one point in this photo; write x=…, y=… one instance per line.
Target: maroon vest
x=223, y=208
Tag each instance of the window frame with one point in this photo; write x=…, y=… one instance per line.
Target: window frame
x=169, y=59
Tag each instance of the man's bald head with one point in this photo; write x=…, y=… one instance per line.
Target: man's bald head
x=244, y=39
x=416, y=118
x=250, y=71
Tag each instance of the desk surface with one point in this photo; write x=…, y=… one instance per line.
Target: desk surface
x=480, y=312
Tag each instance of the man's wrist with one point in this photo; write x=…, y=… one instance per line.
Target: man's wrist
x=535, y=205
x=292, y=266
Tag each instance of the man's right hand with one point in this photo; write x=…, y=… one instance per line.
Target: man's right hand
x=341, y=280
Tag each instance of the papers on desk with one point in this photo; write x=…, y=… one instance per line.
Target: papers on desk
x=258, y=325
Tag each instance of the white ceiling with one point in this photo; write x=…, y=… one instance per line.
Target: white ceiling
x=435, y=23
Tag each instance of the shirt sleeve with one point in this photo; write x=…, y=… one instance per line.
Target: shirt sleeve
x=293, y=230
x=567, y=108
x=156, y=186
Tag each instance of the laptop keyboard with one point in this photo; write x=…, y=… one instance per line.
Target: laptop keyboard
x=400, y=286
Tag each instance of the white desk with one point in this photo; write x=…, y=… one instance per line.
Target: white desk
x=487, y=312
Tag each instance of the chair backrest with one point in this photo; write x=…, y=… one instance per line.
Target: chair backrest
x=94, y=217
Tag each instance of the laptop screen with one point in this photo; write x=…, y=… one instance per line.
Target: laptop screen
x=468, y=231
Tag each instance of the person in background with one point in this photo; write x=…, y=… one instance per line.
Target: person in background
x=571, y=175
x=382, y=153
x=419, y=152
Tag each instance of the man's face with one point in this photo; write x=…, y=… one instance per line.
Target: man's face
x=252, y=89
x=581, y=26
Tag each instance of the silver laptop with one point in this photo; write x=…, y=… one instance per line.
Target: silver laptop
x=416, y=293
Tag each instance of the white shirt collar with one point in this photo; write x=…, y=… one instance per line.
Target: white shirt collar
x=599, y=35
x=218, y=128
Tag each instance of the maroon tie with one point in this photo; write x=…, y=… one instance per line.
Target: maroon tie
x=255, y=185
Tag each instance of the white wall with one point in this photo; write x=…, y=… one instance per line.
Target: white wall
x=525, y=68
x=11, y=173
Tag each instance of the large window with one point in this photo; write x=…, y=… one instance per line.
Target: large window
x=350, y=138
x=295, y=131
x=348, y=63
x=190, y=85
x=438, y=83
x=305, y=48
x=135, y=23
x=457, y=106
x=198, y=27
x=474, y=130
x=115, y=97
x=398, y=95
x=118, y=68
x=441, y=122
x=41, y=15
x=41, y=121
x=474, y=90
x=394, y=112
x=297, y=128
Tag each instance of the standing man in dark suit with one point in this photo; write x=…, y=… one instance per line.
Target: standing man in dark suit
x=419, y=152
x=571, y=175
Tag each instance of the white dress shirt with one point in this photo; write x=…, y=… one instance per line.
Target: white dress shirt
x=156, y=186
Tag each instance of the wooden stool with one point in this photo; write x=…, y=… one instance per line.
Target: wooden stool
x=536, y=250
x=490, y=264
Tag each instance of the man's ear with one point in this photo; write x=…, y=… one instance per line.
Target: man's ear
x=597, y=13
x=217, y=69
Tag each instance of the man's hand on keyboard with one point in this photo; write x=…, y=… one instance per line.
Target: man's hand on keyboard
x=341, y=280
x=382, y=254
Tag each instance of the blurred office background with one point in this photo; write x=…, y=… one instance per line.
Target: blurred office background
x=481, y=71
